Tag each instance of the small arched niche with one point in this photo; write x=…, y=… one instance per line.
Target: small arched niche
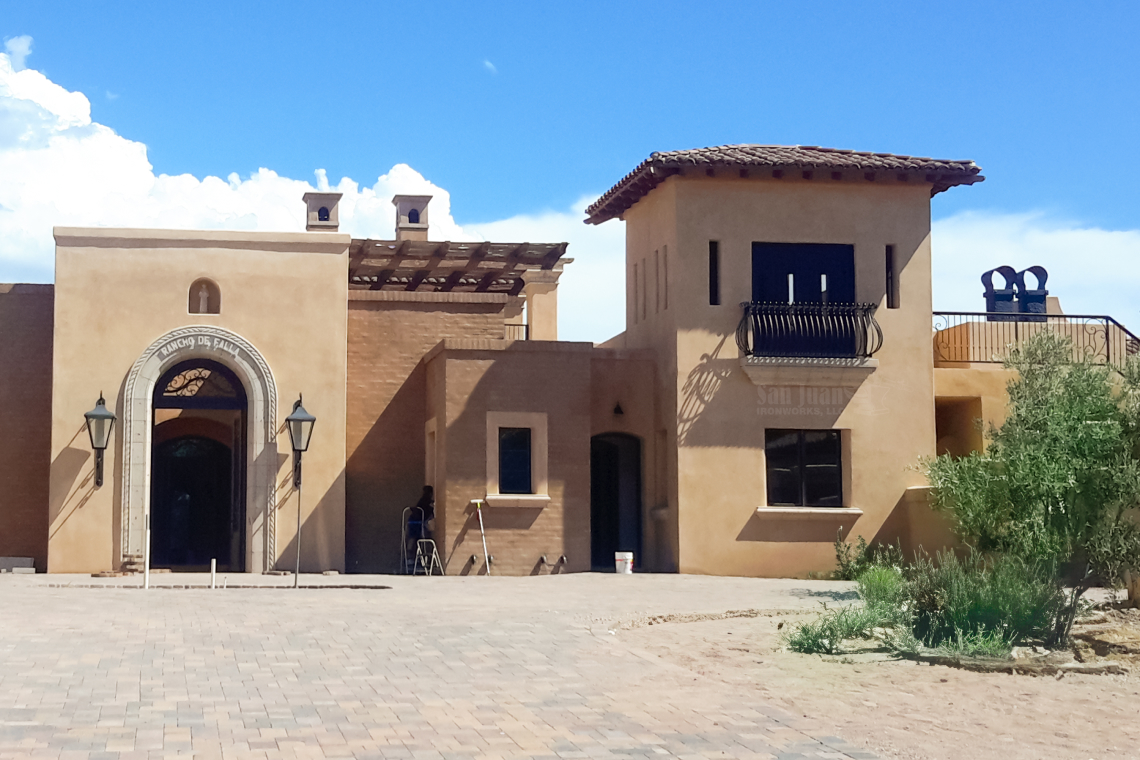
x=323, y=214
x=205, y=297
x=413, y=216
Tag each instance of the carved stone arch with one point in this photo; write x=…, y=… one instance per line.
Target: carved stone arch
x=234, y=351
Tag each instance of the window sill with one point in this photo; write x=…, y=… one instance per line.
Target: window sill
x=809, y=513
x=531, y=500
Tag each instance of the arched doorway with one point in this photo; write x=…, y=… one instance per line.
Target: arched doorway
x=198, y=468
x=615, y=498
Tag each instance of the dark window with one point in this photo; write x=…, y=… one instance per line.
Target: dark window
x=803, y=272
x=514, y=460
x=413, y=217
x=892, y=279
x=636, y=293
x=714, y=273
x=322, y=214
x=804, y=468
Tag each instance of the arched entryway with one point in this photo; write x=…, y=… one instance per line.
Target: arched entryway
x=197, y=500
x=615, y=498
x=258, y=449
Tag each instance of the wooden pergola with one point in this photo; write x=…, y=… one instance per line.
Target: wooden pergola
x=427, y=266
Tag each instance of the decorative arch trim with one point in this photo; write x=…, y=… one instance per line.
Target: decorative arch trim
x=235, y=352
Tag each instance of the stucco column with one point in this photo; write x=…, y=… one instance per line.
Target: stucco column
x=541, y=291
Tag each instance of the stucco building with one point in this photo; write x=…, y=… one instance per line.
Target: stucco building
x=775, y=383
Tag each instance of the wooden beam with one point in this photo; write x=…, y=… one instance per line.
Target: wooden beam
x=553, y=255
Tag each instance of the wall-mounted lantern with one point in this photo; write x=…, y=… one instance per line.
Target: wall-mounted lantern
x=300, y=424
x=100, y=422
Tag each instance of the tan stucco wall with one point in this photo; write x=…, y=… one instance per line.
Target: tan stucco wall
x=983, y=384
x=715, y=416
x=118, y=291
x=25, y=397
x=388, y=335
x=626, y=378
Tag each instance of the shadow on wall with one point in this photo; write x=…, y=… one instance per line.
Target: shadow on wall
x=385, y=474
x=316, y=534
x=914, y=525
x=780, y=530
x=69, y=496
x=66, y=469
x=494, y=518
x=700, y=391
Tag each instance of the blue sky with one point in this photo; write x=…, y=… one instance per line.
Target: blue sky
x=524, y=109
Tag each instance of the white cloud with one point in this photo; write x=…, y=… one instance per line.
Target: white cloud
x=591, y=291
x=490, y=66
x=19, y=48
x=60, y=168
x=1091, y=270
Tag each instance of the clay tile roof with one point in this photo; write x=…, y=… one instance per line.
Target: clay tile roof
x=773, y=161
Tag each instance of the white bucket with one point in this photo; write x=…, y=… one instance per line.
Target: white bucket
x=623, y=562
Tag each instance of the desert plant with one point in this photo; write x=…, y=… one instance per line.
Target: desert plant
x=1058, y=478
x=826, y=634
x=883, y=586
x=852, y=560
x=1112, y=551
x=980, y=643
x=1003, y=595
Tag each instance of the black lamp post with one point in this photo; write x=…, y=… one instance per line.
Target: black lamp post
x=100, y=422
x=300, y=424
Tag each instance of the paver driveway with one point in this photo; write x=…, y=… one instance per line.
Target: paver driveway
x=430, y=668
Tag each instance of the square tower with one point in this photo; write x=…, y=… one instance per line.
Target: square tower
x=322, y=213
x=411, y=216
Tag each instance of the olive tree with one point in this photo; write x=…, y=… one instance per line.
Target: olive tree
x=1058, y=479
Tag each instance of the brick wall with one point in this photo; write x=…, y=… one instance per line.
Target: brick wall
x=388, y=335
x=535, y=377
x=26, y=318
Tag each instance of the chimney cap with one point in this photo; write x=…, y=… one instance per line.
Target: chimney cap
x=411, y=199
x=411, y=216
x=322, y=211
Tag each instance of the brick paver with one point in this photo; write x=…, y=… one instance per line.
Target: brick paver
x=427, y=670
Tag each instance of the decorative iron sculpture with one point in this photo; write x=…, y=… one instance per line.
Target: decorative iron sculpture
x=1015, y=298
x=187, y=383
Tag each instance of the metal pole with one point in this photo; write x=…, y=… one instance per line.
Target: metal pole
x=486, y=556
x=146, y=554
x=213, y=573
x=297, y=573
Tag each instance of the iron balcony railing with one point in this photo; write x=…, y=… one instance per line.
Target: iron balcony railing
x=966, y=337
x=809, y=330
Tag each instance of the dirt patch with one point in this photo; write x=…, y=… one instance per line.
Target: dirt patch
x=909, y=710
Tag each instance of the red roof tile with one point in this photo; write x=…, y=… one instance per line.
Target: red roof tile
x=776, y=159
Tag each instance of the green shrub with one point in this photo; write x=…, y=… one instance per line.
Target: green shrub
x=881, y=586
x=955, y=599
x=980, y=643
x=1113, y=549
x=826, y=634
x=852, y=560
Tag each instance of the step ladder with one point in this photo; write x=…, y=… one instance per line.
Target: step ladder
x=427, y=558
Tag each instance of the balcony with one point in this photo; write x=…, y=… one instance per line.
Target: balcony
x=516, y=332
x=962, y=337
x=809, y=343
